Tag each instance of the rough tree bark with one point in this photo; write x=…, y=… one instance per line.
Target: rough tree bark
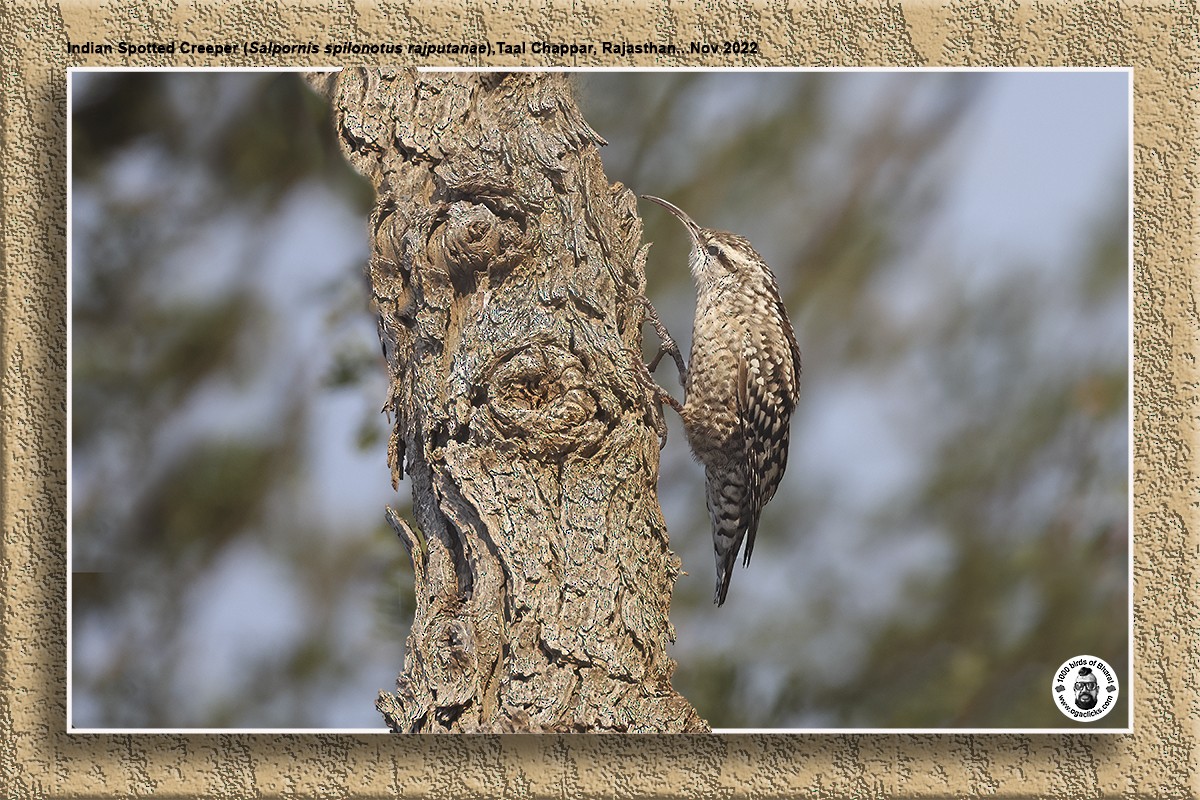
x=508, y=274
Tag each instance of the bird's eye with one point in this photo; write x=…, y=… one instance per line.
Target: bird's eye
x=713, y=250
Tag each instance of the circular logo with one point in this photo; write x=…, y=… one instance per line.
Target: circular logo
x=1085, y=688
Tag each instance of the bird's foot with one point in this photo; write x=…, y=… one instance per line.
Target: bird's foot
x=657, y=395
x=666, y=345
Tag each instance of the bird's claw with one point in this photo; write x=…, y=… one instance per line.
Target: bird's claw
x=659, y=396
x=667, y=344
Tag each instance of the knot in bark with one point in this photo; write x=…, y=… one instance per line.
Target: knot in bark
x=470, y=238
x=469, y=242
x=539, y=402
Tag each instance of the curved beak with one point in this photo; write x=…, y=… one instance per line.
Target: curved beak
x=692, y=227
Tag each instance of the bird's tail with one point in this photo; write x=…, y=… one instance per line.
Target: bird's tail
x=724, y=575
x=733, y=519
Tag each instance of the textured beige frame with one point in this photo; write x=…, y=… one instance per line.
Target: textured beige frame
x=37, y=757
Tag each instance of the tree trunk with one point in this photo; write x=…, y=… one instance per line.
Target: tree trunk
x=508, y=276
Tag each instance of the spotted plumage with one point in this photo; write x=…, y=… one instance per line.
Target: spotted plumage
x=743, y=382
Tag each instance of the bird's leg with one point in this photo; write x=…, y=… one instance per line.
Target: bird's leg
x=666, y=345
x=663, y=396
x=657, y=394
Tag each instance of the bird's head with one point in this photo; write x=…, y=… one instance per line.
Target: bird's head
x=716, y=255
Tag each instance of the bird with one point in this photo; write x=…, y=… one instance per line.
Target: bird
x=741, y=387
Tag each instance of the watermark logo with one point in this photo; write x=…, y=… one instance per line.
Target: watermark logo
x=1085, y=688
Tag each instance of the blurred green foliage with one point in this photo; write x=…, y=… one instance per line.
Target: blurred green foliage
x=184, y=492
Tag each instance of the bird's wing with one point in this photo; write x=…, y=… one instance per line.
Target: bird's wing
x=765, y=403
